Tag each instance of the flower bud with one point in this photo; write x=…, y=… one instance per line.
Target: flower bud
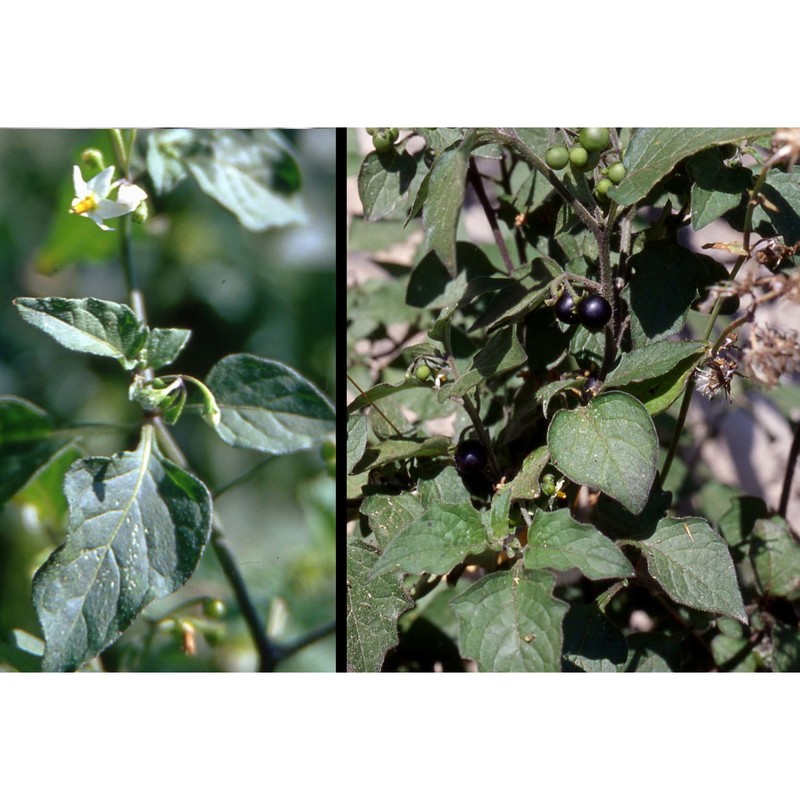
x=93, y=158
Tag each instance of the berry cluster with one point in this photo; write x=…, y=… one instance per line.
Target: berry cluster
x=584, y=155
x=383, y=139
x=593, y=311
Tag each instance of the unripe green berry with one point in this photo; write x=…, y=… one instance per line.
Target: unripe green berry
x=578, y=156
x=616, y=172
x=214, y=608
x=601, y=188
x=557, y=157
x=422, y=372
x=595, y=140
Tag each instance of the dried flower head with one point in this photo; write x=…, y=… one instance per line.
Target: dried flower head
x=786, y=144
x=717, y=372
x=771, y=353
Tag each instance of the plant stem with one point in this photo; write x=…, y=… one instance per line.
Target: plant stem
x=286, y=650
x=477, y=184
x=794, y=451
x=689, y=390
x=266, y=651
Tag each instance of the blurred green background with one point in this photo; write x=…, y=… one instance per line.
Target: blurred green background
x=269, y=293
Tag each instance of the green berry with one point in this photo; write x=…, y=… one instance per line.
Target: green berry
x=595, y=140
x=557, y=157
x=578, y=157
x=384, y=138
x=422, y=372
x=616, y=172
x=214, y=608
x=601, y=188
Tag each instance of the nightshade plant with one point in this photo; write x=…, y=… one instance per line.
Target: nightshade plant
x=593, y=538
x=138, y=522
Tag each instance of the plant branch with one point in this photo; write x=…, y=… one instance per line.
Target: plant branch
x=477, y=184
x=290, y=648
x=794, y=451
x=715, y=312
x=516, y=144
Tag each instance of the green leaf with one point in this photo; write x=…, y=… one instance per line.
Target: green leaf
x=502, y=353
x=609, y=444
x=252, y=174
x=356, y=439
x=519, y=297
x=88, y=325
x=137, y=527
x=525, y=485
x=652, y=153
x=441, y=538
x=591, y=642
x=445, y=486
x=446, y=186
x=786, y=647
x=379, y=391
x=510, y=622
x=383, y=182
x=431, y=285
x=775, y=555
x=737, y=522
x=734, y=654
x=267, y=406
x=781, y=191
x=373, y=606
x=164, y=345
x=557, y=541
x=389, y=514
x=653, y=360
x=165, y=152
x=21, y=651
x=665, y=283
x=656, y=374
x=694, y=567
x=716, y=189
x=29, y=441
x=403, y=449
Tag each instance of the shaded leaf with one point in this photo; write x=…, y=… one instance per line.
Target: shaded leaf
x=775, y=556
x=591, y=642
x=29, y=441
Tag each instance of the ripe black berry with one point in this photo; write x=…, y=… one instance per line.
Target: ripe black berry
x=594, y=312
x=470, y=457
x=565, y=310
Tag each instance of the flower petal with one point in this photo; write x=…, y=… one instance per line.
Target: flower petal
x=108, y=209
x=101, y=184
x=81, y=189
x=131, y=195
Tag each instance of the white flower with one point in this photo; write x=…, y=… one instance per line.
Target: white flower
x=91, y=197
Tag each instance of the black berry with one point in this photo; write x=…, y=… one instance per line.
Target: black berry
x=470, y=457
x=594, y=312
x=565, y=310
